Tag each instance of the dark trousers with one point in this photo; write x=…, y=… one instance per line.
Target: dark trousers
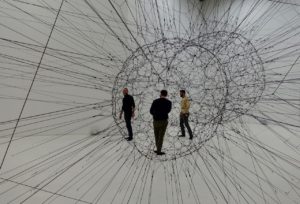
x=184, y=121
x=160, y=127
x=127, y=118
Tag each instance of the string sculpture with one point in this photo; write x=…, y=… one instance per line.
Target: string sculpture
x=63, y=65
x=220, y=93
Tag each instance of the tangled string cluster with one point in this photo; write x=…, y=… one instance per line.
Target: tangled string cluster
x=221, y=72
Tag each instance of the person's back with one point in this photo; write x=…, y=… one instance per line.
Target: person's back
x=160, y=109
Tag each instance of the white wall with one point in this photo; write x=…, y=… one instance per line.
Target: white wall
x=86, y=51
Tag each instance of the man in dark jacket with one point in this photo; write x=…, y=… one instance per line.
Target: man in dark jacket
x=128, y=108
x=160, y=109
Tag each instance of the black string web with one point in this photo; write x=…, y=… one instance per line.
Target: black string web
x=64, y=63
x=204, y=66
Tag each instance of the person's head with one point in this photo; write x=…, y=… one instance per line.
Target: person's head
x=125, y=91
x=182, y=93
x=163, y=93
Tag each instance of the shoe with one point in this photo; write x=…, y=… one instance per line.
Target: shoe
x=128, y=138
x=181, y=136
x=159, y=153
x=191, y=138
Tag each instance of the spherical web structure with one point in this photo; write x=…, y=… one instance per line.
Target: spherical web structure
x=204, y=67
x=63, y=65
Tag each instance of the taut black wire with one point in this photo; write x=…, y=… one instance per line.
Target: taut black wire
x=31, y=85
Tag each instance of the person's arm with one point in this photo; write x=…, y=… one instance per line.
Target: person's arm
x=121, y=113
x=133, y=107
x=122, y=109
x=170, y=107
x=188, y=105
x=152, y=108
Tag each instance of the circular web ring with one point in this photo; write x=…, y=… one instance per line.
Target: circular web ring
x=221, y=72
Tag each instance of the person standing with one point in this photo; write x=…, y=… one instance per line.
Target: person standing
x=128, y=108
x=160, y=109
x=184, y=114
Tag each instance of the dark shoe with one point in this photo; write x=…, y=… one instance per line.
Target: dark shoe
x=159, y=153
x=181, y=136
x=191, y=138
x=128, y=138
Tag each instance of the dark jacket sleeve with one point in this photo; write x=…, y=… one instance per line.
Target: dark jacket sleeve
x=170, y=107
x=152, y=108
x=133, y=104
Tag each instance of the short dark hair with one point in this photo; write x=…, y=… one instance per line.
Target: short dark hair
x=164, y=92
x=182, y=91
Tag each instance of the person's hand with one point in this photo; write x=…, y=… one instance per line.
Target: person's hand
x=132, y=115
x=120, y=116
